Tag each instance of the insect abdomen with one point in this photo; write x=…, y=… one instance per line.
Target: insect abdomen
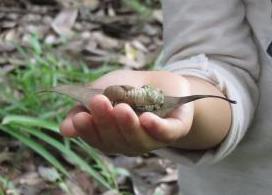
x=141, y=99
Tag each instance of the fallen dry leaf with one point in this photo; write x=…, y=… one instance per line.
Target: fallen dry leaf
x=6, y=156
x=31, y=179
x=104, y=41
x=90, y=4
x=84, y=182
x=133, y=58
x=111, y=192
x=49, y=174
x=157, y=14
x=170, y=177
x=6, y=47
x=64, y=22
x=164, y=189
x=75, y=188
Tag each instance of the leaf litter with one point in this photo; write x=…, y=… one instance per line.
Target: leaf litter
x=96, y=32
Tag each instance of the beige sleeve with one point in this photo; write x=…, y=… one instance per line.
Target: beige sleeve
x=212, y=39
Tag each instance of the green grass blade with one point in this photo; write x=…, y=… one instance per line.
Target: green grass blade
x=70, y=154
x=6, y=184
x=1, y=191
x=105, y=169
x=36, y=45
x=91, y=151
x=37, y=148
x=138, y=7
x=34, y=122
x=30, y=121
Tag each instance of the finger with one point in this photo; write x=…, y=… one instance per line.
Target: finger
x=102, y=112
x=78, y=108
x=67, y=127
x=128, y=123
x=164, y=130
x=83, y=123
x=138, y=141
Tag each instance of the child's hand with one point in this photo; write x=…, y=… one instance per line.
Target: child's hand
x=118, y=129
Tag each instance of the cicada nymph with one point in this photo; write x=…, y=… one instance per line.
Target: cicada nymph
x=144, y=99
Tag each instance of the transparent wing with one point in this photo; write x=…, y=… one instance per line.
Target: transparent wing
x=171, y=103
x=81, y=93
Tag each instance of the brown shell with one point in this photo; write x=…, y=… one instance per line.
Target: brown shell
x=118, y=94
x=140, y=99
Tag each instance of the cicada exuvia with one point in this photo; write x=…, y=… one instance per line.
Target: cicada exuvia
x=144, y=99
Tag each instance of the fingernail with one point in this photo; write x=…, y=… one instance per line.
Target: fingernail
x=148, y=122
x=64, y=126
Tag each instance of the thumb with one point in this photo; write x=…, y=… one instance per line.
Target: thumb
x=163, y=130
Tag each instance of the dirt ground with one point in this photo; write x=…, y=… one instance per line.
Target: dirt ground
x=98, y=32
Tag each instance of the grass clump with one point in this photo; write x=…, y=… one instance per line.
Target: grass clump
x=33, y=119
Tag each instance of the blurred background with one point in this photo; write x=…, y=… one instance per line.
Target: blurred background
x=44, y=43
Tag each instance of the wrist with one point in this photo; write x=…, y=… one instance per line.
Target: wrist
x=211, y=120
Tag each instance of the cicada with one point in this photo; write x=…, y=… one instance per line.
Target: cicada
x=143, y=99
